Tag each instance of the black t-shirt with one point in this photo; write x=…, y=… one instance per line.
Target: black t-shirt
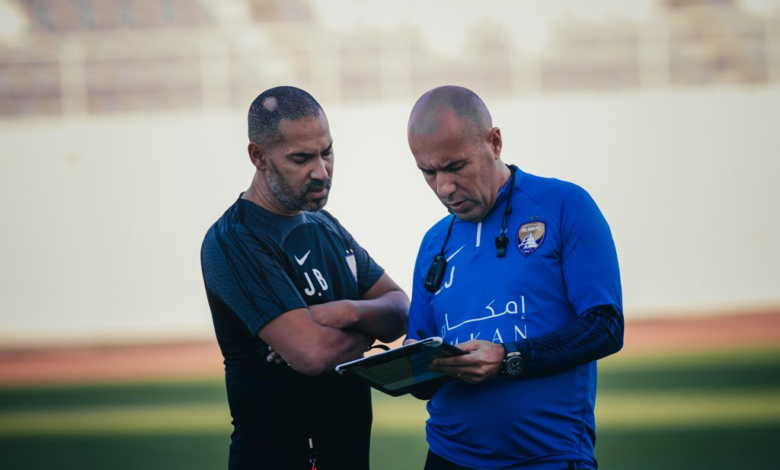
x=257, y=266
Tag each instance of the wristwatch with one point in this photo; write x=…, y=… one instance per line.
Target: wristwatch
x=513, y=363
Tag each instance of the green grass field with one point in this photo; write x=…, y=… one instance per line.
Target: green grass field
x=705, y=411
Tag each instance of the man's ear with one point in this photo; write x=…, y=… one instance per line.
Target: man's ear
x=257, y=156
x=496, y=142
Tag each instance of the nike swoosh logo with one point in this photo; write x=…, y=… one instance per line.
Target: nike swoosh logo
x=302, y=260
x=453, y=255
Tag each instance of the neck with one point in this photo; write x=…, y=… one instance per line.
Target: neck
x=504, y=173
x=259, y=196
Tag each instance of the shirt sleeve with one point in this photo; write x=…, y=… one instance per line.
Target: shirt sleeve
x=590, y=263
x=595, y=334
x=248, y=276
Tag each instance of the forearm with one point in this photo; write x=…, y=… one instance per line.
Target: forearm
x=595, y=334
x=383, y=318
x=338, y=346
x=324, y=348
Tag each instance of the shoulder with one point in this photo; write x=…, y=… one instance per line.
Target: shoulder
x=237, y=219
x=242, y=229
x=552, y=193
x=437, y=232
x=226, y=223
x=323, y=220
x=323, y=217
x=550, y=188
x=440, y=227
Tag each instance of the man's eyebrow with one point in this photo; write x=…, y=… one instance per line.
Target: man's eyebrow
x=448, y=167
x=311, y=154
x=301, y=154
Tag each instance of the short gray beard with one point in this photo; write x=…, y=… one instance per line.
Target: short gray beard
x=284, y=193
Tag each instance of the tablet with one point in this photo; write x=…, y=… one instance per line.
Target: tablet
x=398, y=371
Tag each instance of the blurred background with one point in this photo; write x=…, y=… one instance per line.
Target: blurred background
x=122, y=122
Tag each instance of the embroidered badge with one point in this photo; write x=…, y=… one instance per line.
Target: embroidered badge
x=530, y=237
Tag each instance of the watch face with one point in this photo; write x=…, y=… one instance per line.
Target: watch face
x=514, y=366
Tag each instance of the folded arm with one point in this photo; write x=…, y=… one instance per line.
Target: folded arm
x=381, y=313
x=311, y=348
x=337, y=331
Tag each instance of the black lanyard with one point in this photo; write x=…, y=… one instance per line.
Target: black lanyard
x=435, y=275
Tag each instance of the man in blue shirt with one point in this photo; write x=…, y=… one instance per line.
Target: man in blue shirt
x=292, y=294
x=523, y=275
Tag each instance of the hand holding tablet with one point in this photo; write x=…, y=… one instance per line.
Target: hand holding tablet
x=399, y=371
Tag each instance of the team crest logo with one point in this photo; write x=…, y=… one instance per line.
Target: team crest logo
x=530, y=237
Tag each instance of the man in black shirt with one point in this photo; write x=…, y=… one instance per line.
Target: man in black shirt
x=292, y=295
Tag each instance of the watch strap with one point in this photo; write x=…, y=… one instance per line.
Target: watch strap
x=509, y=348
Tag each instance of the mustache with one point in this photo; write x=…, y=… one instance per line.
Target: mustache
x=317, y=185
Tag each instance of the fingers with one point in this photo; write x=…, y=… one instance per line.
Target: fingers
x=482, y=362
x=472, y=345
x=456, y=361
x=274, y=357
x=466, y=374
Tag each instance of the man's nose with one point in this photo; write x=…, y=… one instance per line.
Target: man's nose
x=445, y=185
x=320, y=169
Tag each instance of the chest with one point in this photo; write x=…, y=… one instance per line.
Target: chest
x=486, y=296
x=321, y=265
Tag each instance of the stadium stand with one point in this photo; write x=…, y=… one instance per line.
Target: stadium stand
x=82, y=57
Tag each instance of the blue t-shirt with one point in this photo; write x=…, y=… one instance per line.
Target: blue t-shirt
x=256, y=266
x=561, y=261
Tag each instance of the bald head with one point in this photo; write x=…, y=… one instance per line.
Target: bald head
x=447, y=102
x=455, y=145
